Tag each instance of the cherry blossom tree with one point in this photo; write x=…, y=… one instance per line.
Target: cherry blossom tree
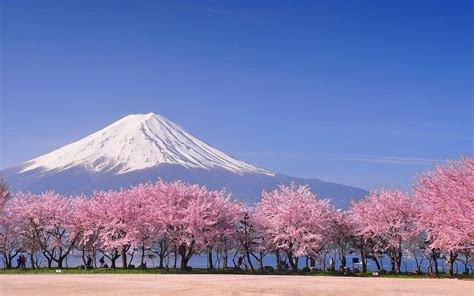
x=147, y=228
x=115, y=215
x=217, y=239
x=163, y=246
x=10, y=240
x=161, y=242
x=446, y=213
x=296, y=220
x=341, y=234
x=417, y=247
x=48, y=221
x=184, y=219
x=26, y=229
x=250, y=236
x=366, y=246
x=388, y=216
x=193, y=217
x=88, y=226
x=4, y=193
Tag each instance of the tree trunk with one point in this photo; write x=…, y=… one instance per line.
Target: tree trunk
x=362, y=256
x=186, y=252
x=184, y=260
x=260, y=263
x=435, y=261
x=250, y=261
x=343, y=261
x=364, y=264
x=184, y=263
x=278, y=259
x=400, y=257
x=397, y=267
x=291, y=259
x=376, y=263
x=398, y=261
x=83, y=255
x=392, y=262
x=131, y=258
x=451, y=259
x=162, y=259
x=112, y=262
x=60, y=263
x=94, y=254
x=175, y=259
x=142, y=261
x=209, y=258
x=124, y=257
x=224, y=267
x=8, y=260
x=32, y=260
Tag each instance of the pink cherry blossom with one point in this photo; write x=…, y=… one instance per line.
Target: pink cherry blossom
x=193, y=217
x=48, y=221
x=4, y=193
x=296, y=220
x=389, y=217
x=10, y=240
x=250, y=236
x=446, y=197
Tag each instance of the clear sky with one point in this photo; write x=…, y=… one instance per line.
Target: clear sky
x=365, y=93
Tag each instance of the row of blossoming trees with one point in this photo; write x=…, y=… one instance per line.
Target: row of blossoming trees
x=177, y=220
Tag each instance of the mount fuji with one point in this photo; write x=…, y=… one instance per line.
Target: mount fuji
x=144, y=147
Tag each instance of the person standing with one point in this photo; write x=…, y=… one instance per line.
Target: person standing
x=23, y=261
x=332, y=265
x=89, y=262
x=102, y=262
x=239, y=262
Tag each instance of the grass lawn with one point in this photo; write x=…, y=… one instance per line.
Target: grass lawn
x=216, y=271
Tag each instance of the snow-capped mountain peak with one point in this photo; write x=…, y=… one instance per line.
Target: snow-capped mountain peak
x=137, y=142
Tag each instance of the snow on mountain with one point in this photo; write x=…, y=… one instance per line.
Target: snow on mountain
x=146, y=147
x=137, y=142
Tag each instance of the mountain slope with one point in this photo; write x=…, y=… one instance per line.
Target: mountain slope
x=138, y=142
x=144, y=147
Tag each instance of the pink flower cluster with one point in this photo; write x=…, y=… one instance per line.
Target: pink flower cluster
x=179, y=220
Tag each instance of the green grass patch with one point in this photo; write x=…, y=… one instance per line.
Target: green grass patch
x=218, y=271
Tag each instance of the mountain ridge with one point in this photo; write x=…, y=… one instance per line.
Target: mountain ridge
x=147, y=147
x=136, y=142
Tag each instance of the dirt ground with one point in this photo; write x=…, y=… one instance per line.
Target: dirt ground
x=174, y=284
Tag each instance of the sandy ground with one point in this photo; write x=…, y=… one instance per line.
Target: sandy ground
x=150, y=284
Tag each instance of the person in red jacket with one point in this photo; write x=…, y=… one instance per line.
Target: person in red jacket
x=23, y=261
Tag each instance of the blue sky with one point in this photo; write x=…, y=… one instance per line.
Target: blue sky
x=365, y=93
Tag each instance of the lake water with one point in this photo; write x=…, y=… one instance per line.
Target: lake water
x=200, y=261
